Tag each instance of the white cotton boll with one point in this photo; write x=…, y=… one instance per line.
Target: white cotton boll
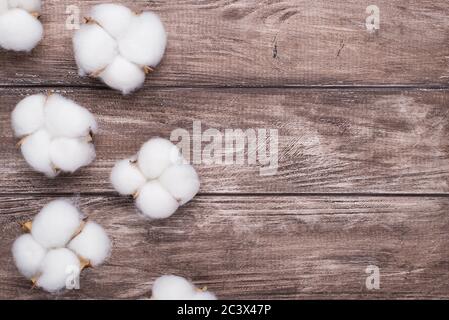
x=36, y=151
x=114, y=18
x=126, y=178
x=28, y=115
x=59, y=117
x=56, y=268
x=19, y=30
x=123, y=75
x=69, y=154
x=157, y=155
x=203, y=295
x=94, y=49
x=112, y=29
x=28, y=5
x=172, y=288
x=181, y=181
x=65, y=118
x=145, y=41
x=56, y=224
x=155, y=202
x=92, y=244
x=28, y=255
x=177, y=288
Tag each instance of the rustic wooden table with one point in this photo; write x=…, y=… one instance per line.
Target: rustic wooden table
x=363, y=174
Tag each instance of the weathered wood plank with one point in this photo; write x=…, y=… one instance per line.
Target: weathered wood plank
x=330, y=141
x=258, y=247
x=260, y=43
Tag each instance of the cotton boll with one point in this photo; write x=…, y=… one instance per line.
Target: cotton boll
x=126, y=178
x=177, y=288
x=181, y=181
x=157, y=155
x=71, y=154
x=155, y=202
x=114, y=18
x=28, y=116
x=145, y=41
x=19, y=30
x=56, y=224
x=65, y=118
x=171, y=182
x=27, y=5
x=172, y=288
x=94, y=49
x=113, y=29
x=123, y=75
x=36, y=151
x=92, y=244
x=203, y=295
x=28, y=255
x=56, y=269
x=62, y=142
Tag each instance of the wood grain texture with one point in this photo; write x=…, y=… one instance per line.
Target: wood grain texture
x=257, y=247
x=363, y=174
x=330, y=141
x=264, y=43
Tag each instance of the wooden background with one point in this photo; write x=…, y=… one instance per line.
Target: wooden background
x=363, y=173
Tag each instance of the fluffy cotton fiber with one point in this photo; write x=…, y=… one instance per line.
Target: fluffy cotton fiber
x=92, y=243
x=159, y=178
x=20, y=29
x=172, y=287
x=59, y=239
x=119, y=46
x=55, y=224
x=126, y=177
x=155, y=201
x=55, y=268
x=28, y=255
x=56, y=133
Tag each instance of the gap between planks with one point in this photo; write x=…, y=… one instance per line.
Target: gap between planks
x=241, y=194
x=215, y=87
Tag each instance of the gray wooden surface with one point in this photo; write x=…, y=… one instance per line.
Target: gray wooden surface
x=363, y=173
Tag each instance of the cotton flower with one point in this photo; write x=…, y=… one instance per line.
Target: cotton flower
x=59, y=241
x=20, y=28
x=158, y=177
x=119, y=46
x=172, y=287
x=55, y=132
